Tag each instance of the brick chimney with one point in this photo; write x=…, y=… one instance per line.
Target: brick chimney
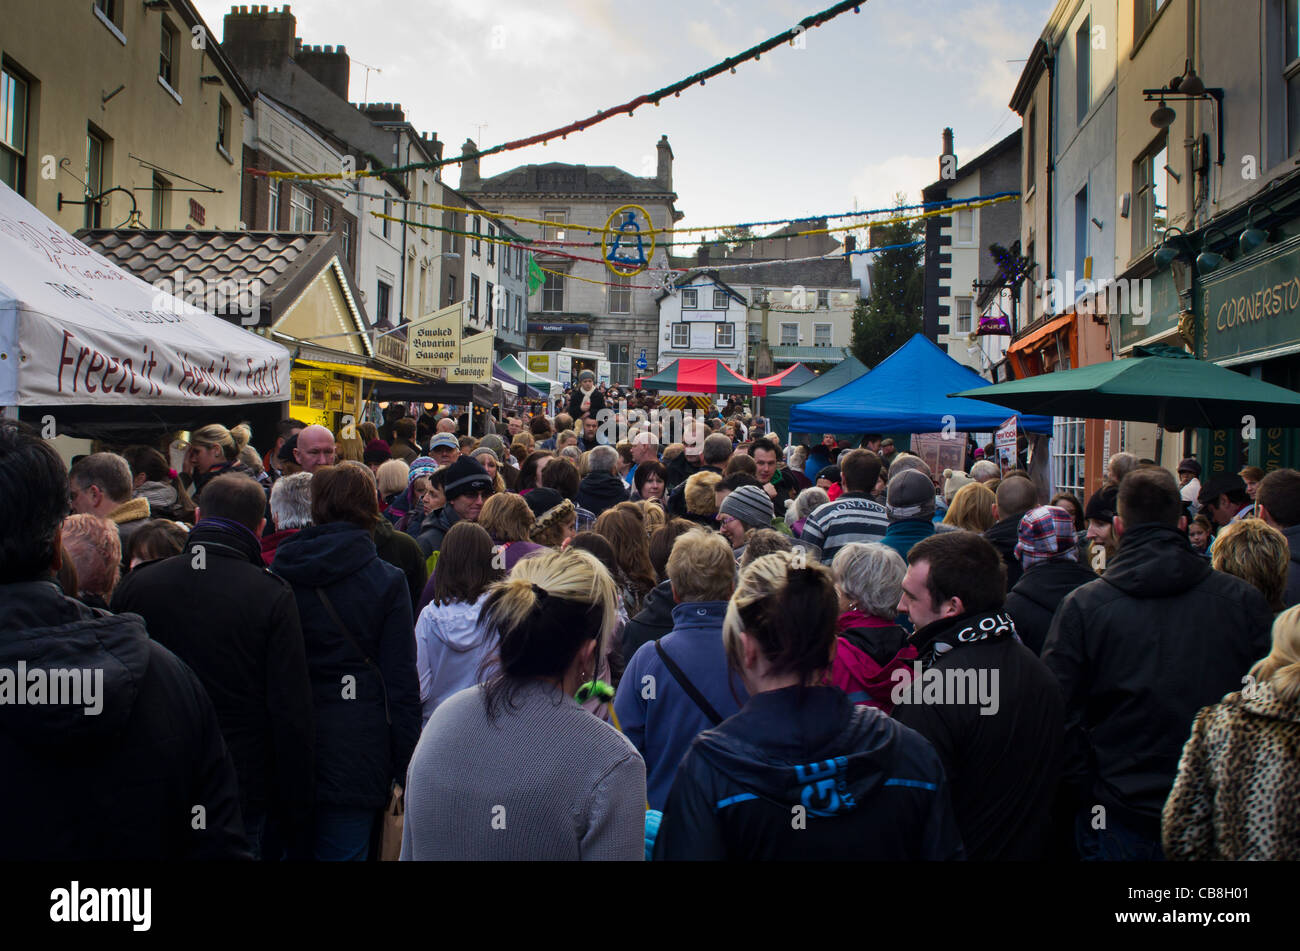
x=850, y=244
x=664, y=176
x=948, y=159
x=384, y=111
x=328, y=66
x=702, y=256
x=469, y=167
x=257, y=36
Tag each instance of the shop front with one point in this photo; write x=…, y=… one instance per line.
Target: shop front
x=1248, y=318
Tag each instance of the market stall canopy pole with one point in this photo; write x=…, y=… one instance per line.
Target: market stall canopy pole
x=1161, y=384
x=76, y=330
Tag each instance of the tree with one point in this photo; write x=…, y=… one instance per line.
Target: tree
x=888, y=319
x=733, y=235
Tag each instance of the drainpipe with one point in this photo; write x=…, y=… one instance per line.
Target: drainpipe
x=406, y=216
x=1051, y=159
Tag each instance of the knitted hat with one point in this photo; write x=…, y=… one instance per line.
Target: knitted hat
x=422, y=466
x=910, y=495
x=465, y=475
x=954, y=479
x=829, y=472
x=1045, y=532
x=1103, y=504
x=494, y=442
x=1190, y=465
x=444, y=440
x=748, y=505
x=484, y=451
x=376, y=451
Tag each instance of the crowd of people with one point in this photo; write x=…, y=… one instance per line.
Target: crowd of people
x=691, y=642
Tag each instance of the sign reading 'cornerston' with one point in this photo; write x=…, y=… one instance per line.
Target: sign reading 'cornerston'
x=1253, y=309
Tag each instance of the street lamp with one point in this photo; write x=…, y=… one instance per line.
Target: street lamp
x=132, y=220
x=1188, y=87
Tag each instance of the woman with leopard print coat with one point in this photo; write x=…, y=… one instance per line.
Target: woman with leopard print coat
x=1237, y=795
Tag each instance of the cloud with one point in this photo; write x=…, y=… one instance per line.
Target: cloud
x=876, y=184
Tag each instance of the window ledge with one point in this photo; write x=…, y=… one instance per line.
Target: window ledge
x=172, y=92
x=224, y=154
x=109, y=24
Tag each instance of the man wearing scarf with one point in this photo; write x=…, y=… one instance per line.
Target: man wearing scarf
x=219, y=609
x=987, y=704
x=586, y=400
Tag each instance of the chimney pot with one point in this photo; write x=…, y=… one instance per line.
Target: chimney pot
x=850, y=244
x=702, y=255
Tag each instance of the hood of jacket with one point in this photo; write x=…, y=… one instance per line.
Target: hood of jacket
x=321, y=555
x=1005, y=533
x=805, y=746
x=159, y=494
x=1293, y=539
x=67, y=651
x=1155, y=561
x=603, y=488
x=657, y=608
x=132, y=510
x=1048, y=582
x=224, y=538
x=457, y=624
x=1260, y=700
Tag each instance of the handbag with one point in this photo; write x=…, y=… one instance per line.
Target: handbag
x=390, y=836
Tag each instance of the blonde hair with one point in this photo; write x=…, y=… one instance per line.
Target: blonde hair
x=538, y=637
x=972, y=508
x=1257, y=553
x=702, y=567
x=392, y=476
x=507, y=518
x=787, y=605
x=654, y=517
x=249, y=457
x=214, y=434
x=242, y=434
x=1280, y=670
x=351, y=449
x=698, y=493
x=549, y=527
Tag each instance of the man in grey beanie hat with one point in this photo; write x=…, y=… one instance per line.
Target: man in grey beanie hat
x=746, y=508
x=910, y=507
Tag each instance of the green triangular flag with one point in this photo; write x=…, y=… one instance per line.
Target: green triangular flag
x=536, y=277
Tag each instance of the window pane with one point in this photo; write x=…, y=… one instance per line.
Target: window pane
x=1159, y=195
x=13, y=112
x=966, y=226
x=1293, y=113
x=1292, y=49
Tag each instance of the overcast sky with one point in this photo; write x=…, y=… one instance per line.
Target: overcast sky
x=856, y=115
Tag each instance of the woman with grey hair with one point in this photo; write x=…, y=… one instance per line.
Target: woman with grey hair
x=804, y=504
x=872, y=647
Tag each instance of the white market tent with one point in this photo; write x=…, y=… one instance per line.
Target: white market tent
x=78, y=331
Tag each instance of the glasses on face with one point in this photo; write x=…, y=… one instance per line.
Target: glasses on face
x=725, y=520
x=476, y=494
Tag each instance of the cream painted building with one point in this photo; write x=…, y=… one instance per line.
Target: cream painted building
x=120, y=94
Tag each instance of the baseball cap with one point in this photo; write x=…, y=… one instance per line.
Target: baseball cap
x=444, y=440
x=1225, y=484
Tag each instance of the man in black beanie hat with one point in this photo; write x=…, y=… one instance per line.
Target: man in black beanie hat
x=467, y=486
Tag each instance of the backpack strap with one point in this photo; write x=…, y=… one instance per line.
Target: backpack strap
x=684, y=682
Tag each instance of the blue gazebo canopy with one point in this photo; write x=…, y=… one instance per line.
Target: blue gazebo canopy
x=907, y=393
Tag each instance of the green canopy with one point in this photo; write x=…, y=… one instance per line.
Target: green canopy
x=1160, y=384
x=520, y=372
x=777, y=406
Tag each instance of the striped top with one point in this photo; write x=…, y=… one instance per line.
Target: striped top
x=853, y=517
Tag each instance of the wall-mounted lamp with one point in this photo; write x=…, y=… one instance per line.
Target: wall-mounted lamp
x=1188, y=87
x=1166, y=253
x=1208, y=260
x=1253, y=238
x=132, y=220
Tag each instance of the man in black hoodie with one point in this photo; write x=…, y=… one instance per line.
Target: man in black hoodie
x=602, y=488
x=127, y=763
x=983, y=699
x=1017, y=494
x=1137, y=653
x=219, y=608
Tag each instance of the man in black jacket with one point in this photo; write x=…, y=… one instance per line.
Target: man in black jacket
x=127, y=763
x=219, y=608
x=602, y=489
x=1137, y=653
x=1017, y=494
x=983, y=699
x=716, y=450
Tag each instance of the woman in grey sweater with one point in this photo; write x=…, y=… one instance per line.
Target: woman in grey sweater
x=515, y=769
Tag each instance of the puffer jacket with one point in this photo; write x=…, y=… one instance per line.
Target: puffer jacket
x=1237, y=795
x=1137, y=653
x=869, y=787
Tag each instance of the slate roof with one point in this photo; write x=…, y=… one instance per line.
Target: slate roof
x=832, y=272
x=285, y=263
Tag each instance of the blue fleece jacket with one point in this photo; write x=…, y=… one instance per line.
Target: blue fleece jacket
x=656, y=714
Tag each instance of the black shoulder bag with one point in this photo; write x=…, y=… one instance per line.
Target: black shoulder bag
x=684, y=682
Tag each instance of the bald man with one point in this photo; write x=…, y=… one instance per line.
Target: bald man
x=1017, y=494
x=446, y=425
x=315, y=448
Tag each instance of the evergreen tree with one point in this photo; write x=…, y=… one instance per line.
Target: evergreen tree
x=889, y=318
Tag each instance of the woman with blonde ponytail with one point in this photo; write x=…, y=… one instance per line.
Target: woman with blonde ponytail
x=214, y=450
x=1237, y=795
x=515, y=769
x=801, y=772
